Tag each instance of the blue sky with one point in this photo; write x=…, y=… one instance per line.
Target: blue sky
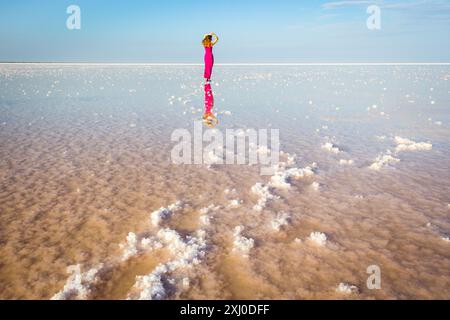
x=250, y=31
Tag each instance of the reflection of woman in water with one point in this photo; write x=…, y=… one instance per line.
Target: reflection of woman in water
x=208, y=118
x=208, y=43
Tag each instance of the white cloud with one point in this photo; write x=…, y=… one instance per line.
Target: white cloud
x=339, y=4
x=428, y=8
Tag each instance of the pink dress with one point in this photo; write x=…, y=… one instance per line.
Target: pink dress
x=209, y=62
x=209, y=98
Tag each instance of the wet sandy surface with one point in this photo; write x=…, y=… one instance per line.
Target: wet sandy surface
x=85, y=160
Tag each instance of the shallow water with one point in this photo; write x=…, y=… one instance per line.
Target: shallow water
x=85, y=159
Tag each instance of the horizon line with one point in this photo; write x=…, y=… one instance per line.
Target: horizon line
x=234, y=64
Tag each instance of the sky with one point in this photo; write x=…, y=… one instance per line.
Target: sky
x=250, y=31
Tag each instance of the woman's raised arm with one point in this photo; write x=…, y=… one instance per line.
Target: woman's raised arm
x=217, y=38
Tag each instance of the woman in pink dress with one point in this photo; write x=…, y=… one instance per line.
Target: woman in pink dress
x=208, y=43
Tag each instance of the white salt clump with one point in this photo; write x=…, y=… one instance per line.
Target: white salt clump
x=298, y=241
x=315, y=186
x=147, y=244
x=290, y=159
x=80, y=284
x=242, y=244
x=345, y=288
x=282, y=219
x=264, y=196
x=382, y=161
x=263, y=150
x=409, y=145
x=210, y=208
x=164, y=213
x=134, y=246
x=235, y=203
x=228, y=191
x=205, y=220
x=151, y=287
x=186, y=282
x=130, y=248
x=318, y=238
x=187, y=253
x=442, y=235
x=232, y=191
x=281, y=179
x=346, y=162
x=331, y=147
